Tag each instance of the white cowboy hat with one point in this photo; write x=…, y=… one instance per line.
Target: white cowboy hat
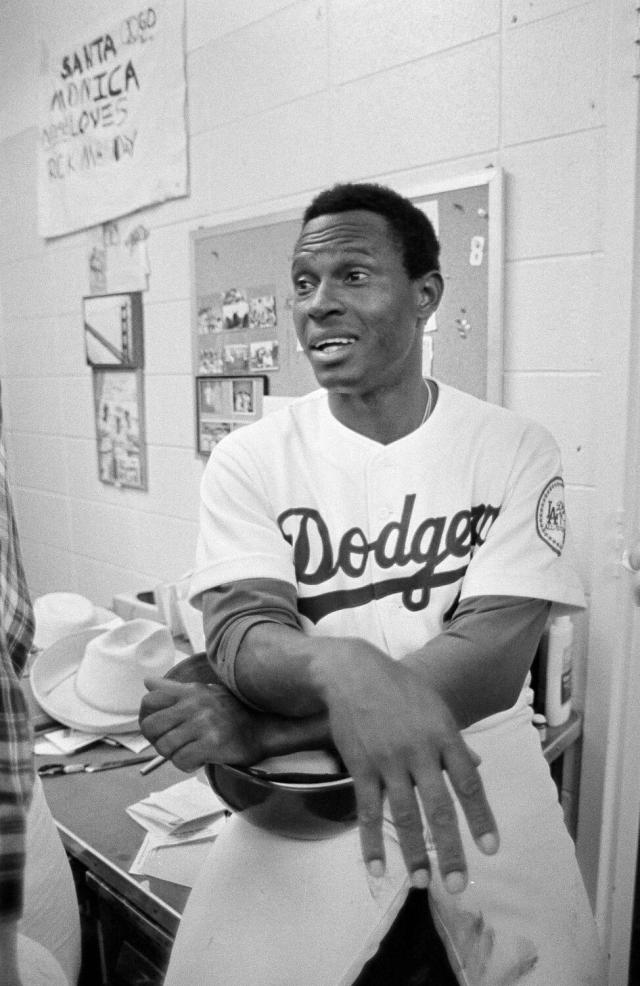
x=94, y=680
x=59, y=614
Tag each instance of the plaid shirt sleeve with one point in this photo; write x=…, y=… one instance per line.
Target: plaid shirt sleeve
x=16, y=758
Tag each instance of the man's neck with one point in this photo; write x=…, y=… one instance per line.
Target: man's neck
x=384, y=416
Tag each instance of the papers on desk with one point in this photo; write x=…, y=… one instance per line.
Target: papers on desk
x=182, y=822
x=65, y=741
x=68, y=741
x=135, y=742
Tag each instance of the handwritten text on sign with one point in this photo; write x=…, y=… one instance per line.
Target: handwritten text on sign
x=112, y=136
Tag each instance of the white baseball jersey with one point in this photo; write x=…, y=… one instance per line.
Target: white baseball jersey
x=380, y=541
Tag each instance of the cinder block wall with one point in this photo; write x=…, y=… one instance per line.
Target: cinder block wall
x=285, y=97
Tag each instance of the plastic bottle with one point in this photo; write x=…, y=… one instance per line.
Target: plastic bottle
x=540, y=722
x=557, y=704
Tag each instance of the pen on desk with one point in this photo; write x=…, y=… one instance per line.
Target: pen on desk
x=152, y=764
x=52, y=769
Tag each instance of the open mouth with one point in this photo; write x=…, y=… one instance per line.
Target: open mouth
x=330, y=346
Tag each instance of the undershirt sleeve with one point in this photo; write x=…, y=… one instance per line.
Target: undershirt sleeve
x=488, y=620
x=483, y=623
x=230, y=610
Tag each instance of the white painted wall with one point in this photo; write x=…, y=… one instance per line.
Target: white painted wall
x=285, y=97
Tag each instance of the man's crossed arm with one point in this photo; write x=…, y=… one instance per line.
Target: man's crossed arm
x=396, y=724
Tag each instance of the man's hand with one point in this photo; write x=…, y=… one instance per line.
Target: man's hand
x=397, y=737
x=193, y=724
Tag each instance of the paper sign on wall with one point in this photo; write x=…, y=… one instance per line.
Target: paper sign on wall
x=111, y=118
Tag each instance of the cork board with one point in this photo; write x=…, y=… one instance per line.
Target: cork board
x=242, y=295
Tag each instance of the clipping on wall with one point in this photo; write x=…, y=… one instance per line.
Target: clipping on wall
x=119, y=421
x=111, y=117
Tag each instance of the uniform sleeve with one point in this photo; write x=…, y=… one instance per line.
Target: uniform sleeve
x=528, y=550
x=239, y=537
x=231, y=610
x=498, y=634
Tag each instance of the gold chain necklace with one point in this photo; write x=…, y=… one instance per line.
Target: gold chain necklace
x=427, y=410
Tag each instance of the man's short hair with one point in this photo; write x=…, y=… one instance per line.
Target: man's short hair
x=412, y=230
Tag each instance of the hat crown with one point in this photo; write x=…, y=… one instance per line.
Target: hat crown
x=112, y=671
x=58, y=614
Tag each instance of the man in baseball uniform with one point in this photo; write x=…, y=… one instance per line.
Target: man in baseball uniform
x=375, y=566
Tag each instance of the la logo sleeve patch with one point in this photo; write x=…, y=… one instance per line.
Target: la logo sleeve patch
x=551, y=518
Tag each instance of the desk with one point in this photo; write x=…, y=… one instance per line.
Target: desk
x=136, y=918
x=563, y=749
x=89, y=810
x=129, y=922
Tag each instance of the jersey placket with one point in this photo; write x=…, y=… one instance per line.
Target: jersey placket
x=385, y=503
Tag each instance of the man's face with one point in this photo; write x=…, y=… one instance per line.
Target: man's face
x=356, y=311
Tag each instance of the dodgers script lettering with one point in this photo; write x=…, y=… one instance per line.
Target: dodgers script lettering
x=429, y=542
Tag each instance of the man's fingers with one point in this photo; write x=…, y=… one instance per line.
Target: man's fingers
x=476, y=759
x=369, y=805
x=443, y=825
x=161, y=694
x=155, y=723
x=408, y=822
x=179, y=744
x=165, y=694
x=187, y=757
x=467, y=784
x=460, y=764
x=166, y=685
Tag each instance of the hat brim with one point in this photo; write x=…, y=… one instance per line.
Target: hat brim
x=53, y=675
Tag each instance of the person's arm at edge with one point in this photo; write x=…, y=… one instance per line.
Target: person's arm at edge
x=16, y=773
x=16, y=757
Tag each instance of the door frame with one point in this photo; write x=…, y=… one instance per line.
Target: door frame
x=609, y=806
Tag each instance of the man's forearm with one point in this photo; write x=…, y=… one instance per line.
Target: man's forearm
x=282, y=734
x=477, y=665
x=274, y=669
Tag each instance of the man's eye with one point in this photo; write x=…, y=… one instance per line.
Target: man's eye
x=301, y=285
x=356, y=275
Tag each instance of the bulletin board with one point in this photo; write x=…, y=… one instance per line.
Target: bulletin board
x=242, y=295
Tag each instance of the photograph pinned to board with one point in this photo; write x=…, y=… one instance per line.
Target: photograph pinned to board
x=237, y=330
x=210, y=316
x=235, y=309
x=119, y=417
x=262, y=309
x=224, y=403
x=263, y=355
x=235, y=358
x=113, y=333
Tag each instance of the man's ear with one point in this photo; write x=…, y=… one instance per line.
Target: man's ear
x=430, y=288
